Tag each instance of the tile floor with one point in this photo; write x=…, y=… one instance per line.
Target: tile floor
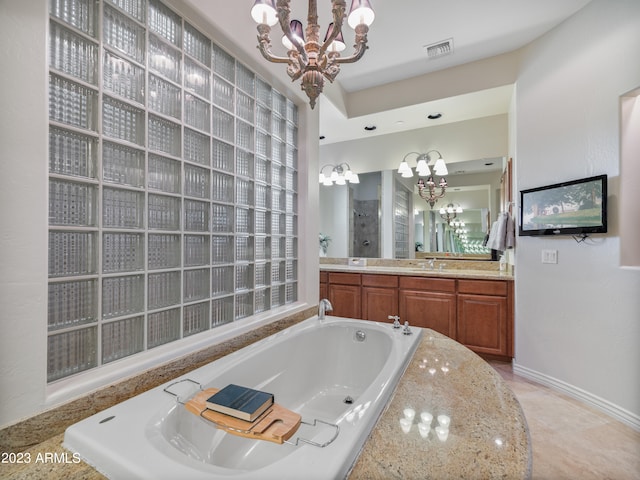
x=571, y=440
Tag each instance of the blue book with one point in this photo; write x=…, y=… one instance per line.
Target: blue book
x=240, y=402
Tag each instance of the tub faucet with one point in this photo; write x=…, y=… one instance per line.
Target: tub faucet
x=324, y=306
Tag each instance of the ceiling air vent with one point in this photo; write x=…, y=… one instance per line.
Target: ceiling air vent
x=439, y=49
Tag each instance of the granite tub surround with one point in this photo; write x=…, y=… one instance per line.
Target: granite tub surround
x=487, y=435
x=474, y=269
x=35, y=430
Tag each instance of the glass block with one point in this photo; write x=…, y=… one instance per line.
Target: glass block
x=123, y=34
x=276, y=196
x=291, y=247
x=222, y=217
x=263, y=93
x=72, y=153
x=72, y=253
x=196, y=284
x=72, y=103
x=279, y=127
x=72, y=203
x=122, y=252
x=244, y=107
x=81, y=14
x=291, y=181
x=197, y=45
x=244, y=305
x=244, y=135
x=223, y=94
x=165, y=22
x=195, y=318
x=72, y=54
x=279, y=103
x=197, y=182
x=244, y=277
x=262, y=247
x=278, y=272
x=222, y=249
x=244, y=220
x=196, y=250
x=263, y=144
x=165, y=97
x=71, y=352
x=244, y=163
x=221, y=280
x=291, y=202
x=197, y=79
x=164, y=136
x=290, y=293
x=263, y=118
x=223, y=63
x=221, y=311
x=122, y=296
x=278, y=151
x=163, y=289
x=278, y=246
x=277, y=296
x=122, y=338
x=135, y=8
x=222, y=155
x=263, y=300
x=122, y=77
x=291, y=270
x=244, y=192
x=72, y=303
x=196, y=216
x=163, y=251
x=222, y=187
x=292, y=157
x=244, y=249
x=245, y=79
x=164, y=174
x=197, y=147
x=165, y=60
x=123, y=121
x=292, y=112
x=292, y=134
x=263, y=222
x=222, y=125
x=122, y=208
x=197, y=113
x=163, y=327
x=262, y=170
x=292, y=225
x=164, y=212
x=263, y=274
x=275, y=224
x=122, y=165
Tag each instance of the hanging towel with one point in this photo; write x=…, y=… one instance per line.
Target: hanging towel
x=502, y=234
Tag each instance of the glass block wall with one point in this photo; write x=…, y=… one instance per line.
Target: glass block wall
x=172, y=184
x=401, y=219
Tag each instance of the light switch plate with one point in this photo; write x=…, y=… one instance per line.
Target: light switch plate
x=549, y=256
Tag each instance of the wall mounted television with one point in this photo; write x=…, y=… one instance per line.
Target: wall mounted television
x=577, y=207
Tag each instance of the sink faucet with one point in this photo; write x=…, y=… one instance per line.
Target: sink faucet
x=324, y=306
x=431, y=263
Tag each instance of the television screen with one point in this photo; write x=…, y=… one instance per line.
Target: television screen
x=570, y=208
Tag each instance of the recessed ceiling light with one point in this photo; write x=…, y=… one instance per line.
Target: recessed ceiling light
x=488, y=164
x=434, y=116
x=370, y=128
x=322, y=137
x=400, y=122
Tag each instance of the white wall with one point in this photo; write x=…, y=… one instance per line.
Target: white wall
x=578, y=322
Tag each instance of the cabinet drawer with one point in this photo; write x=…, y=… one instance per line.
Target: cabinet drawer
x=369, y=280
x=483, y=287
x=428, y=284
x=324, y=277
x=344, y=278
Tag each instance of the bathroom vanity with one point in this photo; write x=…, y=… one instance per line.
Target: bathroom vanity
x=473, y=306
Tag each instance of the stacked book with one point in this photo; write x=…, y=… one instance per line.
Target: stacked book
x=240, y=402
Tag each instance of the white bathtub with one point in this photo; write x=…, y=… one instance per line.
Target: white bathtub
x=311, y=368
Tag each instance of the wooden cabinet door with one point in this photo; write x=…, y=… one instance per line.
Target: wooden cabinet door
x=434, y=310
x=345, y=300
x=378, y=303
x=482, y=323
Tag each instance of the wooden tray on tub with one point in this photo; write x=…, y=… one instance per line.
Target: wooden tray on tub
x=277, y=424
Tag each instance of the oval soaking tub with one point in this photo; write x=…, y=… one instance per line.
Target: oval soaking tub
x=338, y=371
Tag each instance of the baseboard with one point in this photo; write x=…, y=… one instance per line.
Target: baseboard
x=611, y=409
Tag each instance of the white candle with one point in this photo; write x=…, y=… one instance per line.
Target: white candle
x=423, y=429
x=426, y=418
x=405, y=424
x=444, y=421
x=442, y=433
x=409, y=413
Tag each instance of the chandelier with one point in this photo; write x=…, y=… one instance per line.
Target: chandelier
x=449, y=213
x=307, y=57
x=427, y=189
x=340, y=175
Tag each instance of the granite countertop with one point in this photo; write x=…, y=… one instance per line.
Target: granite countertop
x=417, y=271
x=488, y=435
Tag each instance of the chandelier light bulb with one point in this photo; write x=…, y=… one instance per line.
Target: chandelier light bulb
x=361, y=13
x=264, y=12
x=296, y=30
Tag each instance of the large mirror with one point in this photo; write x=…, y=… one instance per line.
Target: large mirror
x=360, y=220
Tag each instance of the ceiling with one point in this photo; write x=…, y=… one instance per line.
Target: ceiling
x=479, y=29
